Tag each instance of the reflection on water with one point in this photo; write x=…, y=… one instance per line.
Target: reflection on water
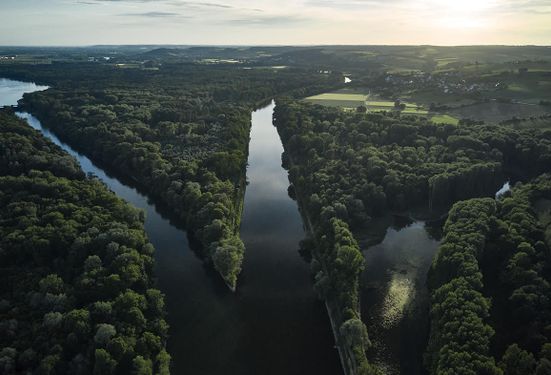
x=11, y=91
x=273, y=324
x=394, y=296
x=399, y=293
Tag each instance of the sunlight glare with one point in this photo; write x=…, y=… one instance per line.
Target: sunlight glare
x=464, y=6
x=464, y=14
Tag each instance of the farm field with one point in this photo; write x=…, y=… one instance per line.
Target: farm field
x=444, y=119
x=351, y=100
x=337, y=99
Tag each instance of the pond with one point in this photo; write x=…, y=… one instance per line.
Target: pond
x=394, y=297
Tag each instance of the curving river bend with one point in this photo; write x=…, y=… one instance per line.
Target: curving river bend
x=273, y=324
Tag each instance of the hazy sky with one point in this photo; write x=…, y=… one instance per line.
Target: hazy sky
x=442, y=22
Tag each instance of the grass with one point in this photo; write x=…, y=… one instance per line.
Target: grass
x=380, y=104
x=415, y=111
x=443, y=61
x=338, y=96
x=444, y=119
x=336, y=99
x=518, y=87
x=350, y=100
x=388, y=104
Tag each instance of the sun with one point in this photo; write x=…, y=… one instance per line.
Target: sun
x=464, y=6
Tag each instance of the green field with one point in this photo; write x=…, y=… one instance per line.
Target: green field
x=444, y=119
x=415, y=111
x=352, y=100
x=441, y=62
x=386, y=104
x=337, y=99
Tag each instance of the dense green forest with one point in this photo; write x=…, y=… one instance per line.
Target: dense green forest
x=490, y=286
x=77, y=294
x=181, y=133
x=347, y=168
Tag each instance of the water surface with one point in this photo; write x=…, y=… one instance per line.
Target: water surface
x=394, y=296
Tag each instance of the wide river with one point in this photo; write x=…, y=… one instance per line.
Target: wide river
x=273, y=324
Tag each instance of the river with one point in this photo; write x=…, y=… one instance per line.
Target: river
x=273, y=324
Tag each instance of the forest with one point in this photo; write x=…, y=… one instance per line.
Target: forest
x=180, y=133
x=490, y=286
x=77, y=293
x=348, y=168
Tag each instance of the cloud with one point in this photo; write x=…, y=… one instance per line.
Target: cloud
x=350, y=4
x=168, y=2
x=199, y=4
x=128, y=1
x=151, y=14
x=280, y=20
x=530, y=6
x=499, y=6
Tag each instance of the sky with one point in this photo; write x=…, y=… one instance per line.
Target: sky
x=274, y=22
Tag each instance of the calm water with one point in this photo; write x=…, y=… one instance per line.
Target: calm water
x=273, y=324
x=394, y=296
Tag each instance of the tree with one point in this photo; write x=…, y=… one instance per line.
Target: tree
x=51, y=284
x=516, y=361
x=141, y=366
x=544, y=367
x=104, y=332
x=103, y=363
x=355, y=332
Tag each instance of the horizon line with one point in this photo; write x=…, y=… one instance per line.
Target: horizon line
x=264, y=45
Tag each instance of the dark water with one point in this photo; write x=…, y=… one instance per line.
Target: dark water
x=394, y=296
x=273, y=324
